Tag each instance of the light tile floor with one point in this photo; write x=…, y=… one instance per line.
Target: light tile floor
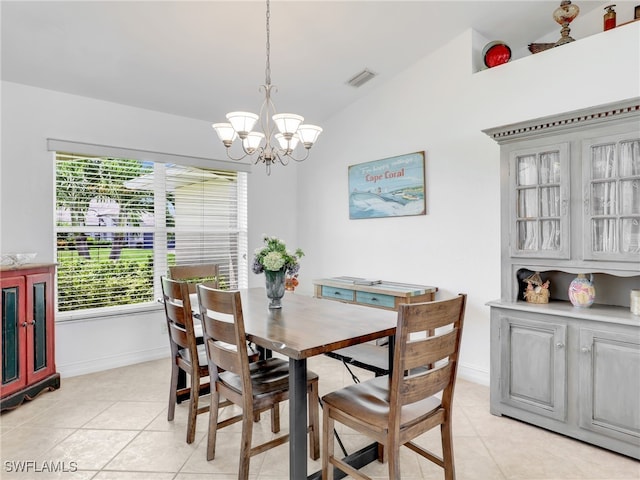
x=112, y=425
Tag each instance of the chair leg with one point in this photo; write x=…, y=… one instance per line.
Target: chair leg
x=393, y=453
x=327, y=443
x=447, y=451
x=382, y=456
x=193, y=408
x=173, y=392
x=275, y=418
x=314, y=421
x=213, y=426
x=245, y=446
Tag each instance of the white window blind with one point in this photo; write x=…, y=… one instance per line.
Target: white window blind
x=121, y=222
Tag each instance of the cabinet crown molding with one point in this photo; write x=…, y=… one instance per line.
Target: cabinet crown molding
x=569, y=120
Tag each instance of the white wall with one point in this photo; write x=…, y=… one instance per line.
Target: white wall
x=439, y=106
x=30, y=116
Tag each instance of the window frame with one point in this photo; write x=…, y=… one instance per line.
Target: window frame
x=160, y=263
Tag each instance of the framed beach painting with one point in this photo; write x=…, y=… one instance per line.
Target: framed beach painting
x=391, y=187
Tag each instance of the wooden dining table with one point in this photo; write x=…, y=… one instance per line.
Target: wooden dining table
x=304, y=327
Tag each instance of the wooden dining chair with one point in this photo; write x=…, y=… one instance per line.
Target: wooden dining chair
x=393, y=410
x=255, y=387
x=192, y=274
x=186, y=355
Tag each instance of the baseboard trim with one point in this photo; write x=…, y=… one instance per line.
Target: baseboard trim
x=473, y=374
x=465, y=371
x=107, y=363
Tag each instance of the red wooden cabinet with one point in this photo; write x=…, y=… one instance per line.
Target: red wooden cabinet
x=28, y=334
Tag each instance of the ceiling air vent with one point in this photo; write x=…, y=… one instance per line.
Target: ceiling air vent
x=361, y=78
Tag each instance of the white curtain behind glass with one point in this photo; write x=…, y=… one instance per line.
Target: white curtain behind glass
x=603, y=198
x=630, y=196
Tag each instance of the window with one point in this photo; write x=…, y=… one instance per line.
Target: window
x=121, y=222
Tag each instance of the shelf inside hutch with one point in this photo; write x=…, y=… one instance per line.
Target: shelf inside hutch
x=611, y=289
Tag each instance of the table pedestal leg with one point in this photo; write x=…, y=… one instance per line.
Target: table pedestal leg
x=297, y=419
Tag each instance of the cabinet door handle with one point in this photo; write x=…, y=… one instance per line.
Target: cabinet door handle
x=585, y=349
x=24, y=324
x=560, y=345
x=374, y=299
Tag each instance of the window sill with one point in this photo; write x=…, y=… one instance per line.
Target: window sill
x=94, y=314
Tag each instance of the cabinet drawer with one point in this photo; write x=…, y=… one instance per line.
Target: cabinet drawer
x=339, y=293
x=376, y=299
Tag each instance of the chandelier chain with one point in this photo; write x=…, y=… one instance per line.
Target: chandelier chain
x=267, y=71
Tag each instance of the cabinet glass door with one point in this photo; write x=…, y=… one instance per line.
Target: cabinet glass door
x=12, y=305
x=612, y=198
x=541, y=188
x=39, y=322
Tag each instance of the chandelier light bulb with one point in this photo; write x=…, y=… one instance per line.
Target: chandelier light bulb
x=225, y=132
x=287, y=123
x=309, y=134
x=252, y=141
x=242, y=122
x=288, y=145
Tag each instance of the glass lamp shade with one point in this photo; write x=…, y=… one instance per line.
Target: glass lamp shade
x=225, y=132
x=252, y=141
x=242, y=122
x=309, y=134
x=287, y=145
x=287, y=123
x=566, y=12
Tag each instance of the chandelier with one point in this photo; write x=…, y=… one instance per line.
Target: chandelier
x=269, y=146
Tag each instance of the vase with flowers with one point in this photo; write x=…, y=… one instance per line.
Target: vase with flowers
x=277, y=264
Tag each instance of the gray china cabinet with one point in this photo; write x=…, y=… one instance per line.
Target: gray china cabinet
x=570, y=204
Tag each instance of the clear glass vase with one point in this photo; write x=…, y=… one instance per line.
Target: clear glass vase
x=275, y=287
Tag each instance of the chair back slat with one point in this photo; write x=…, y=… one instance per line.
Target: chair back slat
x=425, y=384
x=175, y=309
x=221, y=329
x=431, y=315
x=178, y=335
x=423, y=352
x=224, y=357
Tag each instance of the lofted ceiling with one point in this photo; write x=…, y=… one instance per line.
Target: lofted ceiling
x=201, y=59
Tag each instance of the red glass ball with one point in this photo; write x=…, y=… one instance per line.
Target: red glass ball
x=496, y=53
